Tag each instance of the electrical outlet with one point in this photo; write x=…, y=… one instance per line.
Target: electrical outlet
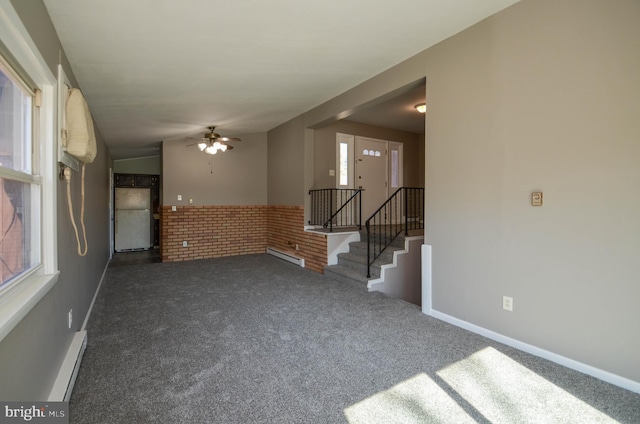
x=191, y=201
x=297, y=247
x=185, y=244
x=70, y=318
x=173, y=209
x=507, y=303
x=179, y=197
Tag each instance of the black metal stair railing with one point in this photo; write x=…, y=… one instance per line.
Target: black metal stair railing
x=336, y=207
x=403, y=211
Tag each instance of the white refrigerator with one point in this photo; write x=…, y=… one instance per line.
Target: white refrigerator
x=132, y=219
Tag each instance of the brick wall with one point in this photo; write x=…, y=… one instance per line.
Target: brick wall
x=215, y=231
x=212, y=231
x=286, y=230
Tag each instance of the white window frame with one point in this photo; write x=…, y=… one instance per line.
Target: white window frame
x=22, y=294
x=349, y=140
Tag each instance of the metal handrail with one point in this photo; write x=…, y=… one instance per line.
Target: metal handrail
x=403, y=210
x=342, y=206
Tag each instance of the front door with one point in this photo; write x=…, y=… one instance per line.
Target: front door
x=371, y=173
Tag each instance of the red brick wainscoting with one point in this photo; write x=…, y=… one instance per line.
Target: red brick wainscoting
x=215, y=231
x=286, y=230
x=212, y=231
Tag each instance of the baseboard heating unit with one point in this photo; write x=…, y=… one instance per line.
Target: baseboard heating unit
x=63, y=386
x=286, y=256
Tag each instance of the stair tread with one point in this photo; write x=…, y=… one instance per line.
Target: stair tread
x=362, y=259
x=347, y=272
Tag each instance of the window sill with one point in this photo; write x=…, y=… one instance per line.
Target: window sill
x=16, y=303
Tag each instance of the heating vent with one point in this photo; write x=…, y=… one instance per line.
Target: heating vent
x=286, y=256
x=66, y=379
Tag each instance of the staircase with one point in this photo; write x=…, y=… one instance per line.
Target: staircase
x=352, y=266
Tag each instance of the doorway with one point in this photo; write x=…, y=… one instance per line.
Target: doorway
x=371, y=173
x=374, y=165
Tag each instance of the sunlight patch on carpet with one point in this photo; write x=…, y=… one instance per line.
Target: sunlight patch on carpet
x=416, y=400
x=504, y=391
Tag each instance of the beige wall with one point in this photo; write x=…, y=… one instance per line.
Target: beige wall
x=235, y=177
x=287, y=157
x=542, y=96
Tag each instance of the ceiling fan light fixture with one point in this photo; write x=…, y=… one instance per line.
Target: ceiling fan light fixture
x=212, y=142
x=422, y=107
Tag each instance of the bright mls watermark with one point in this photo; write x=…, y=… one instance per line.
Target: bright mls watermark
x=34, y=412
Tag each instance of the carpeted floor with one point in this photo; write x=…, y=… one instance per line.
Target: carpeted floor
x=254, y=339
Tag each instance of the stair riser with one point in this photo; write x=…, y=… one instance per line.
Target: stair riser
x=386, y=257
x=398, y=241
x=337, y=276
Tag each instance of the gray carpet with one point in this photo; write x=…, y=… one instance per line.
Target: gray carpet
x=254, y=339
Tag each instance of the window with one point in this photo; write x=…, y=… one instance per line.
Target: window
x=28, y=256
x=344, y=164
x=344, y=160
x=394, y=169
x=19, y=188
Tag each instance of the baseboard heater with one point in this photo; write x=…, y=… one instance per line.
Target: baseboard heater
x=286, y=256
x=63, y=386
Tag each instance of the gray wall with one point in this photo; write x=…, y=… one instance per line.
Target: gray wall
x=537, y=97
x=235, y=177
x=150, y=165
x=30, y=356
x=325, y=150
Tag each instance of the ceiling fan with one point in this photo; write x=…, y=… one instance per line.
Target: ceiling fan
x=213, y=142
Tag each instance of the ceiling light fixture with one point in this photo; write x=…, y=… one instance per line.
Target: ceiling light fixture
x=212, y=149
x=422, y=107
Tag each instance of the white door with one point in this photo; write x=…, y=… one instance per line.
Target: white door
x=371, y=173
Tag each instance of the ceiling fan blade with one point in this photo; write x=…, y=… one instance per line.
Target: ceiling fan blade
x=225, y=139
x=229, y=147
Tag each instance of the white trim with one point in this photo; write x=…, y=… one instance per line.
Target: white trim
x=289, y=257
x=399, y=147
x=95, y=296
x=48, y=165
x=350, y=141
x=427, y=306
x=614, y=379
x=22, y=298
x=17, y=39
x=66, y=379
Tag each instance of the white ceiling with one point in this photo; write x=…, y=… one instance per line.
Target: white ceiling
x=155, y=70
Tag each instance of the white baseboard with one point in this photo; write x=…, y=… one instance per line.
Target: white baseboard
x=289, y=257
x=63, y=386
x=614, y=379
x=95, y=296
